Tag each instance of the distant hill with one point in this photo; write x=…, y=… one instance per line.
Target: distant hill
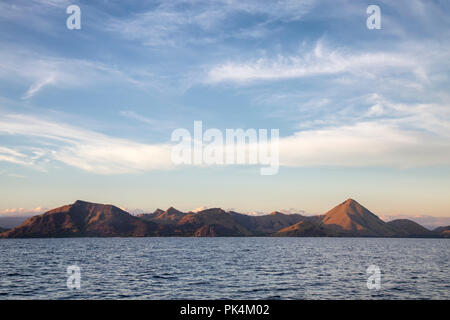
x=170, y=216
x=217, y=222
x=211, y=222
x=12, y=221
x=443, y=231
x=86, y=219
x=267, y=224
x=352, y=219
x=409, y=228
x=83, y=219
x=3, y=229
x=305, y=229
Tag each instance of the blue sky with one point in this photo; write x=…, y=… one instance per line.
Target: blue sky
x=88, y=114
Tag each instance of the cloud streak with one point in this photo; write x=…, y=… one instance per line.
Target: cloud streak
x=381, y=143
x=84, y=149
x=42, y=71
x=168, y=23
x=319, y=61
x=413, y=136
x=14, y=156
x=18, y=212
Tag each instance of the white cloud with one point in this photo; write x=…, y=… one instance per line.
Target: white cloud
x=138, y=117
x=32, y=13
x=154, y=124
x=377, y=132
x=81, y=148
x=262, y=213
x=134, y=211
x=201, y=208
x=401, y=136
x=17, y=212
x=371, y=143
x=175, y=23
x=10, y=174
x=319, y=61
x=34, y=88
x=253, y=213
x=19, y=157
x=293, y=211
x=41, y=71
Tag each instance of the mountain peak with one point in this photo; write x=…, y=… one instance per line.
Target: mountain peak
x=88, y=219
x=81, y=202
x=87, y=203
x=172, y=210
x=350, y=201
x=212, y=211
x=351, y=217
x=353, y=207
x=349, y=207
x=83, y=218
x=276, y=213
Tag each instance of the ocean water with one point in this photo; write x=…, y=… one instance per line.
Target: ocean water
x=225, y=268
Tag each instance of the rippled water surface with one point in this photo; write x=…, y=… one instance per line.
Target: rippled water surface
x=225, y=268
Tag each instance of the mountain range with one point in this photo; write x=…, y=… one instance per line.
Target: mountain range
x=86, y=219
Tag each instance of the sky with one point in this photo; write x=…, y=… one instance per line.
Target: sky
x=362, y=113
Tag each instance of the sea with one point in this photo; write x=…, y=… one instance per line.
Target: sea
x=224, y=268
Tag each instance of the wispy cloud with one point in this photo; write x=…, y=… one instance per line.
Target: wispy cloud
x=390, y=134
x=201, y=208
x=138, y=117
x=368, y=143
x=19, y=157
x=41, y=71
x=387, y=133
x=169, y=22
x=319, y=61
x=154, y=124
x=37, y=86
x=412, y=136
x=17, y=212
x=11, y=174
x=32, y=13
x=82, y=148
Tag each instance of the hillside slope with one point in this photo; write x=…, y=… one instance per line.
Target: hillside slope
x=352, y=219
x=83, y=219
